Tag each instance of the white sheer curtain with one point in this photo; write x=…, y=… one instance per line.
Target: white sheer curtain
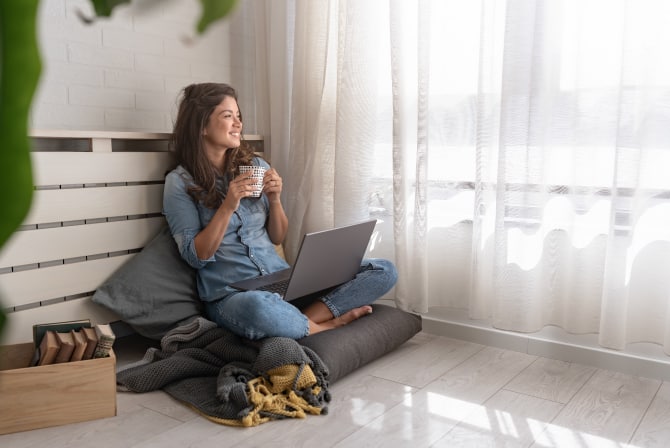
x=515, y=152
x=320, y=77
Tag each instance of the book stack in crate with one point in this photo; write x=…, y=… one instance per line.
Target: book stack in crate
x=71, y=341
x=66, y=374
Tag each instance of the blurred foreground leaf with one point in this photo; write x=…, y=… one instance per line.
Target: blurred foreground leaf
x=19, y=74
x=212, y=10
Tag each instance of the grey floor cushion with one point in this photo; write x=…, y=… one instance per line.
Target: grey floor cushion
x=347, y=348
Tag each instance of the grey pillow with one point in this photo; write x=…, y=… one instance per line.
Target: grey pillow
x=154, y=291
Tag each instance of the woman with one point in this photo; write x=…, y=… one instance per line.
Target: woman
x=228, y=235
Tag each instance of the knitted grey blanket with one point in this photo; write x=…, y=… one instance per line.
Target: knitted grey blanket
x=232, y=380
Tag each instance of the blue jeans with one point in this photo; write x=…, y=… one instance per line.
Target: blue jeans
x=261, y=314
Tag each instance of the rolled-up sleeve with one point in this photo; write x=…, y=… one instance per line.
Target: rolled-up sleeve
x=182, y=216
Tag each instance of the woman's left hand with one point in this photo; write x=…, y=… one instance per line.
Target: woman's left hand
x=272, y=184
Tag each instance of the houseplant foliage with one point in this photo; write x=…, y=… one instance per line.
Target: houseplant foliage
x=20, y=69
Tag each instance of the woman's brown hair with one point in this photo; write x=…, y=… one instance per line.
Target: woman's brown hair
x=198, y=101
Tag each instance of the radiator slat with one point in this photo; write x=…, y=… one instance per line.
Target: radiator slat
x=67, y=168
x=60, y=243
x=92, y=203
x=38, y=285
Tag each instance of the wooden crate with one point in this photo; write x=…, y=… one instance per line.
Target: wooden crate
x=52, y=395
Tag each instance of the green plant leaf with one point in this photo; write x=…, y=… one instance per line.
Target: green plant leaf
x=19, y=75
x=104, y=8
x=212, y=11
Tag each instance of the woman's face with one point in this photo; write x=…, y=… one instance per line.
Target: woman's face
x=224, y=127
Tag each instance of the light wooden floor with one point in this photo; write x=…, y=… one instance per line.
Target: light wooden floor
x=432, y=391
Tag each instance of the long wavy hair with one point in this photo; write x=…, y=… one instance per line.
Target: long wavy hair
x=198, y=101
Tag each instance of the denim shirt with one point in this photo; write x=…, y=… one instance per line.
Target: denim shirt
x=245, y=251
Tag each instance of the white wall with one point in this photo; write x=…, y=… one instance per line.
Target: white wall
x=124, y=73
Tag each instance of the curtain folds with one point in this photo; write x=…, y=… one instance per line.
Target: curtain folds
x=514, y=152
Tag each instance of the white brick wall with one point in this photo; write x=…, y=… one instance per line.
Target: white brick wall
x=125, y=73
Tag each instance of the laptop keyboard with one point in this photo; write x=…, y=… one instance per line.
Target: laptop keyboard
x=278, y=287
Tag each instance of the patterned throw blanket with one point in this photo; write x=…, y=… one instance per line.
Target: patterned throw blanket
x=232, y=380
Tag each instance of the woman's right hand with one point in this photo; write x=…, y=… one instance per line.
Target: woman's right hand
x=240, y=187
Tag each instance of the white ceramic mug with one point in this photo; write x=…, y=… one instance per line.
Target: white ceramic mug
x=257, y=174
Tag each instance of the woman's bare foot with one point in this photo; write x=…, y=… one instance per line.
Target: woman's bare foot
x=340, y=321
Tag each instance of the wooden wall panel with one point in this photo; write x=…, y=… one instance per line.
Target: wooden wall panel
x=35, y=285
x=67, y=168
x=91, y=203
x=43, y=245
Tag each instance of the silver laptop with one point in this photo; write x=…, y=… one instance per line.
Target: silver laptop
x=327, y=258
